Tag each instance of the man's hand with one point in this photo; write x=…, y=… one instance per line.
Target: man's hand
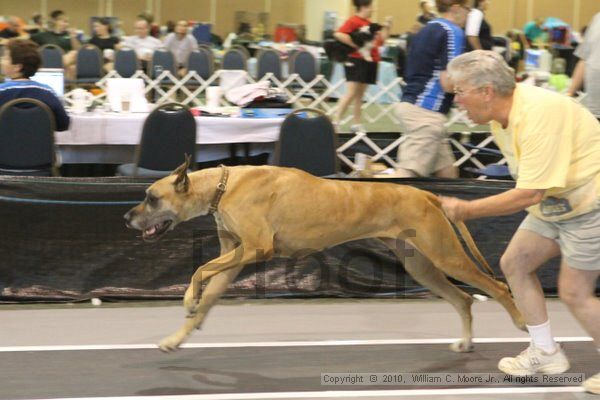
x=456, y=210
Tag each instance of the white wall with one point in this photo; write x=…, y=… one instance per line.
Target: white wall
x=314, y=13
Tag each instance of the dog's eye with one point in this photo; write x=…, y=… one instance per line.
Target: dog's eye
x=151, y=200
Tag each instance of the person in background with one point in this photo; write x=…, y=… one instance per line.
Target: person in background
x=181, y=44
x=477, y=29
x=143, y=44
x=588, y=68
x=153, y=29
x=105, y=41
x=20, y=62
x=360, y=73
x=428, y=12
x=36, y=24
x=62, y=36
x=535, y=32
x=427, y=96
x=551, y=144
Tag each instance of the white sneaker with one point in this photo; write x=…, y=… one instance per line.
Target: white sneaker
x=592, y=384
x=535, y=361
x=357, y=128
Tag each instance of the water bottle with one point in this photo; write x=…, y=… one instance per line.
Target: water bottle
x=158, y=69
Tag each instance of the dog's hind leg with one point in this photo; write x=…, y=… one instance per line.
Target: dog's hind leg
x=425, y=273
x=446, y=252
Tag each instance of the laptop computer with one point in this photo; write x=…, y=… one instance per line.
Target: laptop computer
x=53, y=77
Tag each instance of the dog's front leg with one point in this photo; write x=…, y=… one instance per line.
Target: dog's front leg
x=221, y=271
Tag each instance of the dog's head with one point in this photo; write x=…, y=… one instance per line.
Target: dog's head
x=365, y=34
x=164, y=205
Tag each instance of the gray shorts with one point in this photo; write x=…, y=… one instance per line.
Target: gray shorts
x=426, y=148
x=578, y=238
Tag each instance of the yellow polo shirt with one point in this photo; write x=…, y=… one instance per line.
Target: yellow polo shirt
x=553, y=143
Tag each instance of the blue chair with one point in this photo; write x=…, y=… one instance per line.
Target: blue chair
x=498, y=171
x=307, y=141
x=161, y=60
x=268, y=61
x=89, y=64
x=235, y=59
x=52, y=56
x=126, y=62
x=169, y=134
x=27, y=138
x=201, y=62
x=304, y=64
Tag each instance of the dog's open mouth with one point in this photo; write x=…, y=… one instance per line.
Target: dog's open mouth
x=156, y=231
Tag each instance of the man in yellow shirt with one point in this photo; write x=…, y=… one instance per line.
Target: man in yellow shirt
x=552, y=145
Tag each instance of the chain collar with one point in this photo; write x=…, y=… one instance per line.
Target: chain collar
x=221, y=188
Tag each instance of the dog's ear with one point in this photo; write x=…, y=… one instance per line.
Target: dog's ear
x=182, y=182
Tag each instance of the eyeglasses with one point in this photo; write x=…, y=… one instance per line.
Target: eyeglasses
x=462, y=92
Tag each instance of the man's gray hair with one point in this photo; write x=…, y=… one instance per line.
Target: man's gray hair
x=483, y=67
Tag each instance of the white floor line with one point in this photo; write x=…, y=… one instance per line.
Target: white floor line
x=282, y=344
x=349, y=394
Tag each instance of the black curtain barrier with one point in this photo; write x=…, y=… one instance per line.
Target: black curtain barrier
x=64, y=239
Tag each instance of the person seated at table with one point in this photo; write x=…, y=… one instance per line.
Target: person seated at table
x=21, y=61
x=181, y=44
x=62, y=36
x=143, y=44
x=105, y=41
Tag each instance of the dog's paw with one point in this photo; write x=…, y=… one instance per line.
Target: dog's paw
x=462, y=346
x=170, y=344
x=190, y=303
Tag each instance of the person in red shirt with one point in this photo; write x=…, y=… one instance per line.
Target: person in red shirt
x=359, y=72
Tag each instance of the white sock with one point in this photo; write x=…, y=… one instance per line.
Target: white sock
x=541, y=336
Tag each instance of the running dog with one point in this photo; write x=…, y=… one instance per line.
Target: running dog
x=268, y=211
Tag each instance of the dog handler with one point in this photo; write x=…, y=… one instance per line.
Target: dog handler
x=552, y=145
x=427, y=96
x=360, y=73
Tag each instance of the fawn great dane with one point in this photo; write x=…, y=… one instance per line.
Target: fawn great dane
x=268, y=211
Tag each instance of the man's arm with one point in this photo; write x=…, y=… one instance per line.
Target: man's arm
x=75, y=43
x=474, y=42
x=506, y=203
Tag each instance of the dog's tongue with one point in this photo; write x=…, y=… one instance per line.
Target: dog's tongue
x=150, y=231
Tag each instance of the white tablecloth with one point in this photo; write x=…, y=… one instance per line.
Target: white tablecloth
x=111, y=137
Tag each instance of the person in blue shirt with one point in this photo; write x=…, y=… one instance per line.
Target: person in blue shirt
x=21, y=61
x=427, y=96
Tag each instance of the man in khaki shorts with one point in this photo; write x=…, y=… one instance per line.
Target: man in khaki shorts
x=552, y=145
x=427, y=96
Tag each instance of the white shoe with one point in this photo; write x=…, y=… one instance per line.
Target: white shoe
x=592, y=384
x=535, y=361
x=357, y=128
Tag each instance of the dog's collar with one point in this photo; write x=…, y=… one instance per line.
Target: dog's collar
x=221, y=188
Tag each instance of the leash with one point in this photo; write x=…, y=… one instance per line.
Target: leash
x=221, y=188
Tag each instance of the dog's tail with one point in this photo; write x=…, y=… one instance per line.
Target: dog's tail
x=466, y=235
